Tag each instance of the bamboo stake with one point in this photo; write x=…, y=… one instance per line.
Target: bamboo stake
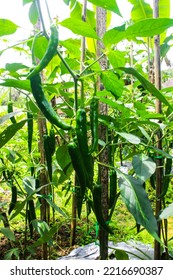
x=104, y=155
x=159, y=160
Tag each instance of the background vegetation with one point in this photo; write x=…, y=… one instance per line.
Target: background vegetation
x=107, y=84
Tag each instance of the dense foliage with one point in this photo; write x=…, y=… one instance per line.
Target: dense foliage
x=51, y=117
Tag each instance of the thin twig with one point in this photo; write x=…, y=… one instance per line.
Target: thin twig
x=48, y=11
x=41, y=17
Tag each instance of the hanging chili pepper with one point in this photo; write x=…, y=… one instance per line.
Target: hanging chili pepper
x=97, y=205
x=44, y=105
x=50, y=52
x=113, y=187
x=78, y=165
x=94, y=122
x=52, y=142
x=166, y=178
x=82, y=137
x=13, y=198
x=30, y=130
x=48, y=155
x=10, y=110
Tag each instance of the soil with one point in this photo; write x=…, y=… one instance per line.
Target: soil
x=61, y=249
x=60, y=245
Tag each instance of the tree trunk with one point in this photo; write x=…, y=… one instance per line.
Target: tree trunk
x=103, y=157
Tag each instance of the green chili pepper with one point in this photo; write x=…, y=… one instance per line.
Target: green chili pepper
x=97, y=205
x=52, y=142
x=48, y=155
x=94, y=122
x=30, y=130
x=81, y=132
x=113, y=188
x=78, y=165
x=31, y=215
x=10, y=110
x=166, y=178
x=29, y=222
x=13, y=199
x=153, y=181
x=44, y=105
x=50, y=52
x=37, y=185
x=32, y=209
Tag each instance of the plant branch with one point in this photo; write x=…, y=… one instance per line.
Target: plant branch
x=17, y=44
x=83, y=50
x=48, y=11
x=41, y=17
x=74, y=76
x=89, y=66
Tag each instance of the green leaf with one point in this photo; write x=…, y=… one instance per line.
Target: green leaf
x=144, y=28
x=164, y=49
x=54, y=206
x=8, y=116
x=114, y=36
x=117, y=58
x=164, y=12
x=133, y=139
x=148, y=27
x=146, y=115
x=9, y=132
x=13, y=67
x=22, y=84
x=72, y=45
x=7, y=27
x=21, y=205
x=76, y=12
x=40, y=47
x=140, y=10
x=147, y=85
x=63, y=157
x=144, y=166
x=8, y=233
x=64, y=162
x=33, y=13
x=164, y=8
x=167, y=212
x=90, y=15
x=116, y=105
x=27, y=1
x=46, y=237
x=112, y=83
x=73, y=64
x=19, y=208
x=79, y=27
x=121, y=254
x=110, y=5
x=143, y=131
x=73, y=2
x=12, y=252
x=137, y=202
x=160, y=152
x=66, y=2
x=29, y=184
x=40, y=226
